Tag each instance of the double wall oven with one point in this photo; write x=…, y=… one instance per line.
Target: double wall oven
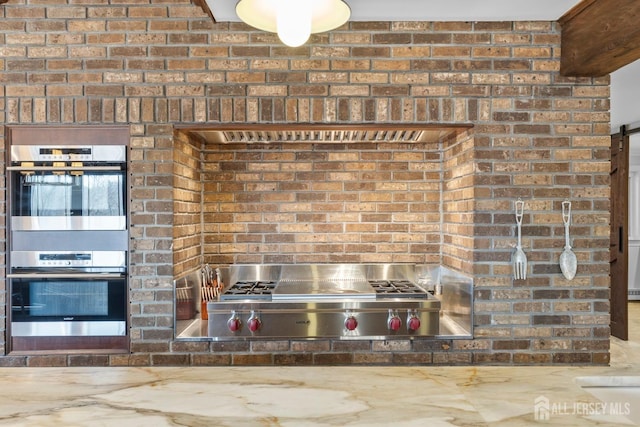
x=68, y=242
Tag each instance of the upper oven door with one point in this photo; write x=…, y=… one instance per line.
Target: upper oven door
x=67, y=196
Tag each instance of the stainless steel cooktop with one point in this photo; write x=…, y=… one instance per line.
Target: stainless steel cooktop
x=324, y=301
x=313, y=289
x=259, y=289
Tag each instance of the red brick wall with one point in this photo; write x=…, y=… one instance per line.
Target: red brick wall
x=537, y=135
x=457, y=204
x=187, y=205
x=282, y=203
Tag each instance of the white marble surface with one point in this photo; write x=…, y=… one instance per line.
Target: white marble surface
x=296, y=396
x=323, y=396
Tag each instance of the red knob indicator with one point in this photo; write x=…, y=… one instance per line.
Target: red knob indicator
x=254, y=324
x=351, y=323
x=234, y=324
x=414, y=324
x=394, y=323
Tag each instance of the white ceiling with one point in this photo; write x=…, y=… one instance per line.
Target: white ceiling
x=625, y=97
x=625, y=88
x=433, y=10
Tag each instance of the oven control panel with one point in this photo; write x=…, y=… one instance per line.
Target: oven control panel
x=72, y=259
x=243, y=319
x=96, y=153
x=51, y=259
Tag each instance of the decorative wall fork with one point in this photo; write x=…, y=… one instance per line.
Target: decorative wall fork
x=519, y=257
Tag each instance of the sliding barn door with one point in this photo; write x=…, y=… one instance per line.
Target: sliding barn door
x=619, y=258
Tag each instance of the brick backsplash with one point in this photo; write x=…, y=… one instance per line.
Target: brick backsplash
x=315, y=203
x=160, y=66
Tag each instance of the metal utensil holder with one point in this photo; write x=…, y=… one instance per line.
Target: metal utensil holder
x=185, y=304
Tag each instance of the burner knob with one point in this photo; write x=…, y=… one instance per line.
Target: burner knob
x=414, y=323
x=394, y=322
x=234, y=323
x=254, y=323
x=351, y=323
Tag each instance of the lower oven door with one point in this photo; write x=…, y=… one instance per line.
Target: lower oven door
x=68, y=305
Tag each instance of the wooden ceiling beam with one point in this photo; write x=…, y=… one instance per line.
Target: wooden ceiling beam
x=599, y=36
x=204, y=6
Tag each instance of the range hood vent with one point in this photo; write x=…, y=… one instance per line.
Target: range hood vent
x=325, y=136
x=328, y=134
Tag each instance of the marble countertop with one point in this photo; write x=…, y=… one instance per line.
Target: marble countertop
x=301, y=396
x=434, y=396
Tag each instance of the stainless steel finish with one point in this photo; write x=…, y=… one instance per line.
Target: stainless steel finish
x=65, y=223
x=63, y=168
x=568, y=259
x=65, y=259
x=70, y=328
x=73, y=275
x=262, y=290
x=251, y=272
x=319, y=301
x=322, y=289
x=87, y=153
x=68, y=255
x=194, y=325
x=63, y=302
x=519, y=257
x=79, y=159
x=322, y=319
x=315, y=134
x=318, y=272
x=327, y=281
x=74, y=240
x=456, y=300
x=324, y=136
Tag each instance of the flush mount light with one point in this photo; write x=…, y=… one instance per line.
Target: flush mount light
x=294, y=20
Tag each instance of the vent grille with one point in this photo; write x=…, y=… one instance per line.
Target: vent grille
x=335, y=134
x=324, y=136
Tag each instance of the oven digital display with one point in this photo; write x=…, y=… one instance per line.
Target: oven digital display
x=65, y=151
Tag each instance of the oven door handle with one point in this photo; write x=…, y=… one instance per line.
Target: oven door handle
x=63, y=168
x=66, y=276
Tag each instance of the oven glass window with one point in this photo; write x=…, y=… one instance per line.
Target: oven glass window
x=69, y=298
x=62, y=299
x=89, y=194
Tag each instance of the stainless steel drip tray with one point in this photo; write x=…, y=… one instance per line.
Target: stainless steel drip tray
x=322, y=289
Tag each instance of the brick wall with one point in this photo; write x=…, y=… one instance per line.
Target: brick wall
x=457, y=203
x=537, y=135
x=285, y=203
x=187, y=205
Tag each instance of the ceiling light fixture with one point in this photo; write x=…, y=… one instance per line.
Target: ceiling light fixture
x=294, y=20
